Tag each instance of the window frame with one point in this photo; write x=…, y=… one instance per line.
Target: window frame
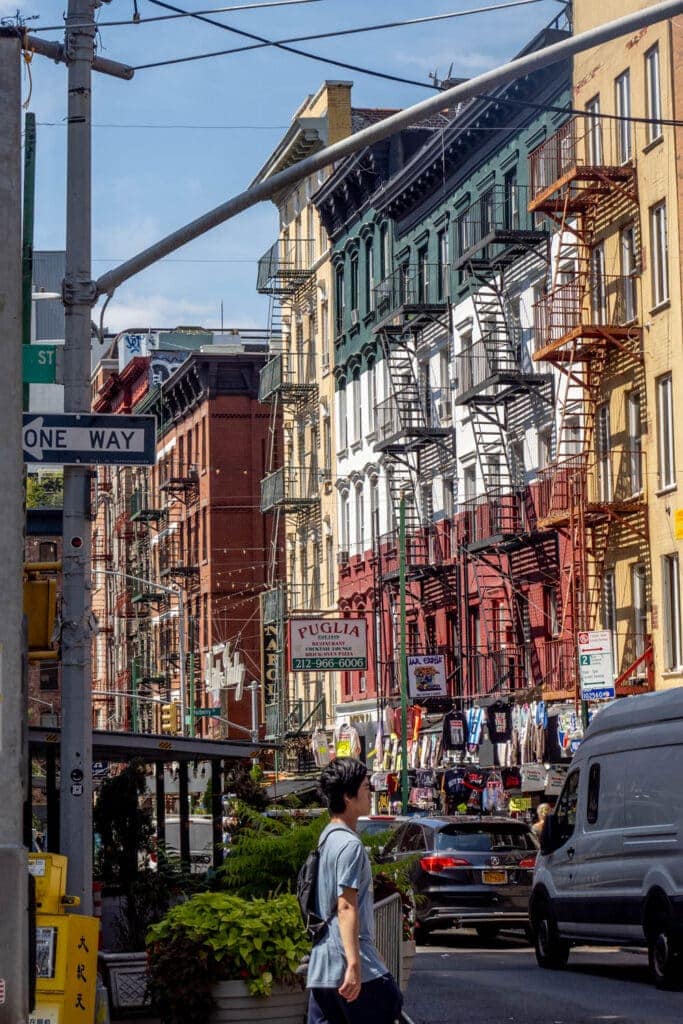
x=622, y=106
x=653, y=95
x=666, y=449
x=659, y=247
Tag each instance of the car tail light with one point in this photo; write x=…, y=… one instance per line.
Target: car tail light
x=528, y=862
x=436, y=864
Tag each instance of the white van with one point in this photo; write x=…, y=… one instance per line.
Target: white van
x=611, y=863
x=201, y=841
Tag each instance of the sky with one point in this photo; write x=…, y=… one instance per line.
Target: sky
x=176, y=141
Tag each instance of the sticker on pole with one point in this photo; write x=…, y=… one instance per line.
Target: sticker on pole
x=3, y=991
x=596, y=672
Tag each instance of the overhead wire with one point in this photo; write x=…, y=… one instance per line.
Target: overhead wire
x=173, y=17
x=263, y=42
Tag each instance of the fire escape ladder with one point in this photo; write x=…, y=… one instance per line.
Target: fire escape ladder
x=498, y=333
x=496, y=618
x=490, y=437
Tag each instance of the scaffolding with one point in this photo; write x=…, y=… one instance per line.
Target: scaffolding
x=587, y=327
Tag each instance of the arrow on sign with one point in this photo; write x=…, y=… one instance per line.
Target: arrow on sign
x=38, y=438
x=92, y=439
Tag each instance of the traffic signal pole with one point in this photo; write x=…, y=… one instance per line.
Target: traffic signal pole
x=13, y=718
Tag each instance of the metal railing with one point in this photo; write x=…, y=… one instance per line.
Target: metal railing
x=174, y=559
x=583, y=141
x=177, y=475
x=479, y=362
x=495, y=217
x=289, y=371
x=412, y=285
x=615, y=477
x=502, y=670
x=395, y=416
x=143, y=505
x=588, y=300
x=290, y=487
x=485, y=518
x=285, y=266
x=389, y=933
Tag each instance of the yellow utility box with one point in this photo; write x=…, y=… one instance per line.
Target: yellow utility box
x=66, y=948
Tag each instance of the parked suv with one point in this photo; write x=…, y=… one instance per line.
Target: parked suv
x=469, y=872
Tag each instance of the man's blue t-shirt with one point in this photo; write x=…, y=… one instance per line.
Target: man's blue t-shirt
x=343, y=864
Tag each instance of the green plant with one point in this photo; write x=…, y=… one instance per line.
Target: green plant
x=395, y=877
x=217, y=936
x=265, y=856
x=44, y=490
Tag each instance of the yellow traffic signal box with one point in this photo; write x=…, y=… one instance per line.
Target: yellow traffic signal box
x=40, y=609
x=170, y=718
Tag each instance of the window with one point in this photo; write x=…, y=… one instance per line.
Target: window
x=545, y=444
x=609, y=610
x=639, y=606
x=360, y=520
x=653, y=96
x=354, y=281
x=593, y=132
x=423, y=275
x=666, y=460
x=374, y=513
x=343, y=421
x=325, y=337
x=339, y=301
x=345, y=521
x=603, y=444
x=622, y=103
x=671, y=596
x=357, y=405
x=49, y=678
x=47, y=551
x=551, y=616
x=627, y=245
x=635, y=442
x=462, y=233
x=565, y=810
x=598, y=284
x=372, y=395
x=660, y=254
x=593, y=802
x=327, y=444
x=511, y=199
x=384, y=252
x=369, y=276
x=470, y=482
x=329, y=570
x=518, y=469
x=442, y=270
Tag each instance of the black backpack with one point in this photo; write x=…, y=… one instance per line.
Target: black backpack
x=307, y=890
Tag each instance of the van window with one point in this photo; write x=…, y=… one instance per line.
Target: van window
x=593, y=794
x=565, y=811
x=650, y=788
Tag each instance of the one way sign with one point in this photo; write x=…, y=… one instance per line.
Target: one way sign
x=79, y=438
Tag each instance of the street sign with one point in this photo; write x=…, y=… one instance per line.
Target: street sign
x=81, y=438
x=41, y=363
x=595, y=664
x=207, y=712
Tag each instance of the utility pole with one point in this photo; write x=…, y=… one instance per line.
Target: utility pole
x=27, y=237
x=14, y=948
x=78, y=296
x=403, y=674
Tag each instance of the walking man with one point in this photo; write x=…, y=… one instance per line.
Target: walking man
x=348, y=981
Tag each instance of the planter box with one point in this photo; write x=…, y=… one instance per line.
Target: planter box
x=235, y=1005
x=125, y=976
x=407, y=958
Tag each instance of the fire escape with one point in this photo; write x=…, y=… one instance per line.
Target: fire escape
x=291, y=488
x=415, y=436
x=502, y=551
x=587, y=326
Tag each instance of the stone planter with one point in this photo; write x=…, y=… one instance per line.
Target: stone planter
x=235, y=1005
x=125, y=977
x=407, y=958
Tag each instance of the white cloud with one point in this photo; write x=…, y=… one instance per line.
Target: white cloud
x=464, y=63
x=156, y=310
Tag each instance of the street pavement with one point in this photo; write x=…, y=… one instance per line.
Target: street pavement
x=457, y=979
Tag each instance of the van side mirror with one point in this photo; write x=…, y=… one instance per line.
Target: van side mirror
x=549, y=835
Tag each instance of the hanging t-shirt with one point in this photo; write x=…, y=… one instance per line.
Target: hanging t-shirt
x=454, y=731
x=499, y=719
x=475, y=719
x=512, y=778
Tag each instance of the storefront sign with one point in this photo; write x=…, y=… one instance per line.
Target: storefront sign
x=520, y=803
x=533, y=778
x=555, y=780
x=427, y=675
x=678, y=524
x=325, y=645
x=595, y=664
x=269, y=659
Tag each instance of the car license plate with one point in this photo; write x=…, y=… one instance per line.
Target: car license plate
x=494, y=877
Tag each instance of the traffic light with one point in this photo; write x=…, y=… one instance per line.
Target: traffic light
x=40, y=609
x=170, y=718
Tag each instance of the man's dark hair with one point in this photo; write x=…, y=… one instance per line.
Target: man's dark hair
x=342, y=777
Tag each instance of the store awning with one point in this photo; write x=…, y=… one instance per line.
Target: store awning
x=110, y=746
x=289, y=787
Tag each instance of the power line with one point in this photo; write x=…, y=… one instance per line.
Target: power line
x=199, y=127
x=281, y=44
x=171, y=17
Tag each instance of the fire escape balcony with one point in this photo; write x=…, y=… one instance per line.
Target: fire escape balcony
x=144, y=507
x=412, y=295
x=608, y=485
x=175, y=560
x=497, y=374
x=181, y=478
x=497, y=229
x=496, y=670
x=291, y=375
x=580, y=164
x=290, y=489
x=486, y=523
x=587, y=312
x=408, y=422
x=286, y=266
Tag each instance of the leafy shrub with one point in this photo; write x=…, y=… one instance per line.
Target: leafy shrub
x=266, y=854
x=217, y=936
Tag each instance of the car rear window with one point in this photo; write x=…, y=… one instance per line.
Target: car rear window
x=483, y=839
x=373, y=828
